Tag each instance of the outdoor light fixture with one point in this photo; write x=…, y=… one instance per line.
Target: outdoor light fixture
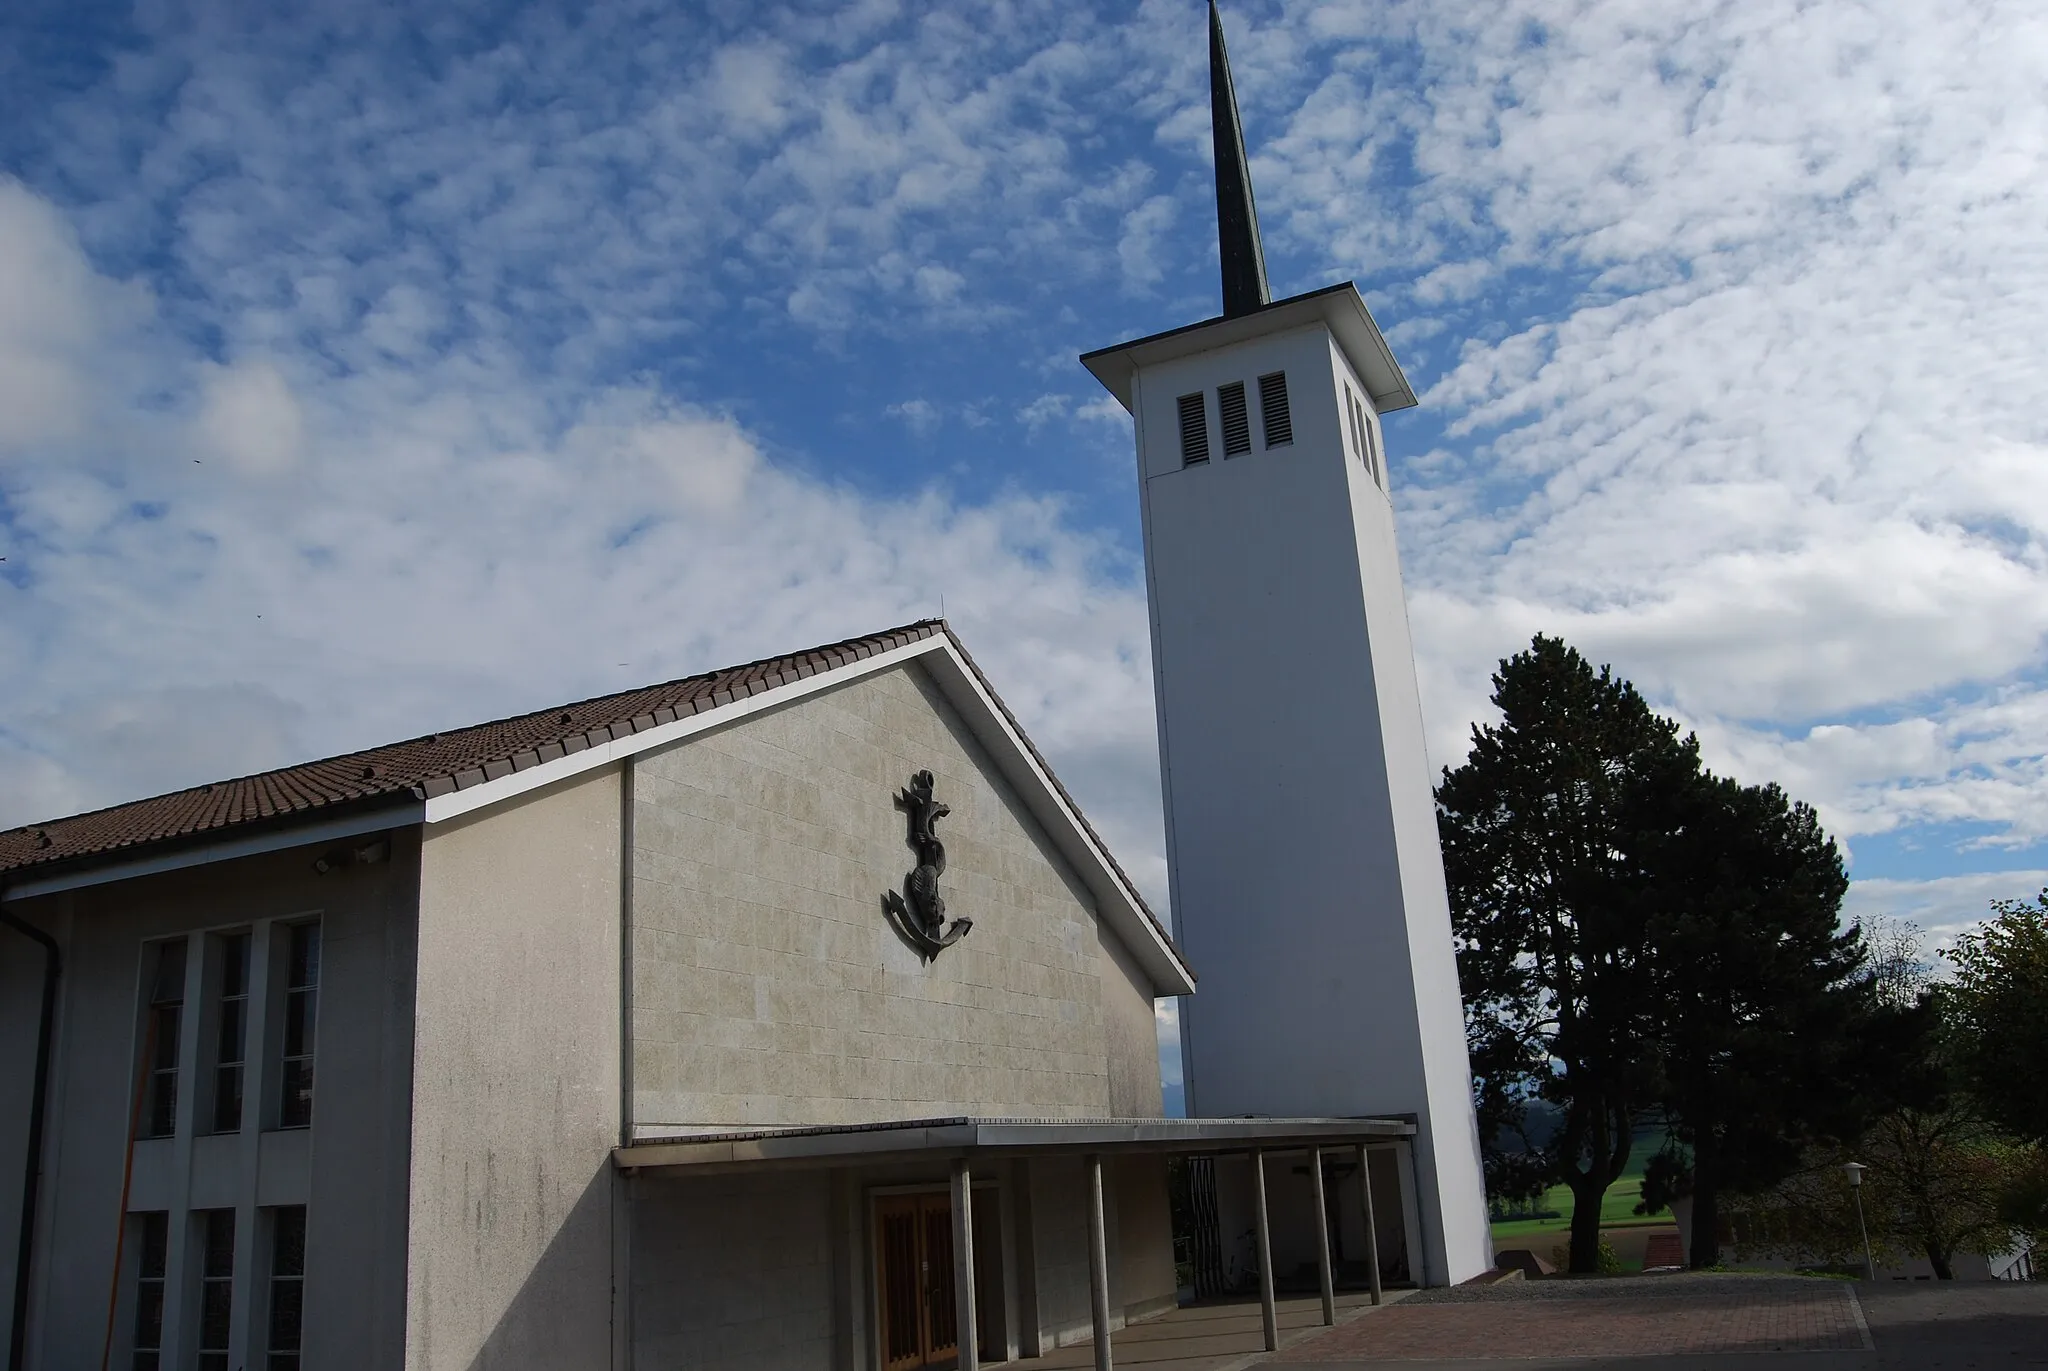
x=1855, y=1172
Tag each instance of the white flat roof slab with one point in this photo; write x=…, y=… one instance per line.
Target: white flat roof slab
x=1339, y=307
x=862, y=1143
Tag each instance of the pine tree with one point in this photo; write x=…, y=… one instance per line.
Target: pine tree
x=1766, y=1013
x=1542, y=840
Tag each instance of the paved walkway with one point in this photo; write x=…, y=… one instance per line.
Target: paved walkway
x=1705, y=1322
x=1645, y=1323
x=1219, y=1336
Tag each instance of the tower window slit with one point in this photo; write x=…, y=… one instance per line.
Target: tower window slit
x=1273, y=410
x=1194, y=429
x=1237, y=419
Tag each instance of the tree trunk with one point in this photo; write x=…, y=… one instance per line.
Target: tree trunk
x=1706, y=1204
x=1938, y=1258
x=1606, y=1157
x=1588, y=1190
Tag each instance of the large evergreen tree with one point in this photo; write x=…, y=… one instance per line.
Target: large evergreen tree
x=1766, y=1015
x=1543, y=842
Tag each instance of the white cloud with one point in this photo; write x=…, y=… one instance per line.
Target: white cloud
x=1728, y=322
x=249, y=417
x=60, y=325
x=922, y=416
x=1942, y=907
x=1779, y=461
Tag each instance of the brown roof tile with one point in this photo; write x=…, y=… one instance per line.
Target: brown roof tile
x=418, y=769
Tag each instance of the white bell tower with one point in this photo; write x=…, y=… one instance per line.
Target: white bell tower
x=1307, y=883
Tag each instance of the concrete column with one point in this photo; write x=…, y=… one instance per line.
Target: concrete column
x=1268, y=1315
x=1098, y=1264
x=1372, y=1232
x=1315, y=1171
x=963, y=1266
x=1411, y=1216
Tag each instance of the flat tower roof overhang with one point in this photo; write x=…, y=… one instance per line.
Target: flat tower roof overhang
x=1340, y=308
x=867, y=1144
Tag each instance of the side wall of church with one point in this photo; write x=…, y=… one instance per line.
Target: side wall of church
x=516, y=1094
x=768, y=988
x=348, y=1168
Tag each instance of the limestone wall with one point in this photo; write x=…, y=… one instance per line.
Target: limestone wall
x=767, y=986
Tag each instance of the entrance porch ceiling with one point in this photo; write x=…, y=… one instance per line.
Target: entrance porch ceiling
x=867, y=1144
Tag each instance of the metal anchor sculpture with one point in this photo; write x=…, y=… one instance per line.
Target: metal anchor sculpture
x=919, y=913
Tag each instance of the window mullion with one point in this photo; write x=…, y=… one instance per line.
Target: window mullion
x=257, y=1070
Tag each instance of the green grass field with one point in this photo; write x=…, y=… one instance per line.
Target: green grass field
x=1617, y=1210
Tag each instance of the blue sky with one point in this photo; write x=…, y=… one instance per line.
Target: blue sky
x=370, y=369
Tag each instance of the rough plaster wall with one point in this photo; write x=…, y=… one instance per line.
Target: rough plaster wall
x=1059, y=1221
x=1144, y=1255
x=732, y=1273
x=768, y=988
x=356, y=1212
x=516, y=1087
x=1132, y=1032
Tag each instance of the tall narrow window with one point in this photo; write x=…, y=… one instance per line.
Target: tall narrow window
x=1357, y=438
x=216, y=1287
x=1194, y=429
x=287, y=1286
x=1237, y=422
x=301, y=1008
x=1273, y=410
x=152, y=1258
x=231, y=1032
x=160, y=1040
x=1372, y=450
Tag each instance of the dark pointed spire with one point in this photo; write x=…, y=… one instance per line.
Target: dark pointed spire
x=1237, y=218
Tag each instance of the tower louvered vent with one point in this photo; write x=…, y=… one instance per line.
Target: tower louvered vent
x=1237, y=420
x=1194, y=429
x=1273, y=409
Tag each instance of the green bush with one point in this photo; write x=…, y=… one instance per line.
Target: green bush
x=1609, y=1263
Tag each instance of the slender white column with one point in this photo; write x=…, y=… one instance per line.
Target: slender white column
x=963, y=1266
x=1268, y=1315
x=1098, y=1264
x=1315, y=1171
x=1372, y=1231
x=1411, y=1217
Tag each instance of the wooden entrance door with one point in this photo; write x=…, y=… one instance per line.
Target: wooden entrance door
x=914, y=1268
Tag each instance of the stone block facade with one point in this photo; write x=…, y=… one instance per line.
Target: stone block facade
x=767, y=986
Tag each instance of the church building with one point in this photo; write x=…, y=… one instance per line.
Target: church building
x=790, y=1015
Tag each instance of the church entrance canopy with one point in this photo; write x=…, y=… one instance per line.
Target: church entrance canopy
x=968, y=1142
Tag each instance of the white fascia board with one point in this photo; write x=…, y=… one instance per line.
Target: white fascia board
x=1116, y=902
x=402, y=815
x=456, y=803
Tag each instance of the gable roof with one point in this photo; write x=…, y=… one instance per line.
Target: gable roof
x=438, y=776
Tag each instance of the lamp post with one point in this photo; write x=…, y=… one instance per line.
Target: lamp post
x=1855, y=1171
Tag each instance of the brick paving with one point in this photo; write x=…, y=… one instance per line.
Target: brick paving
x=1662, y=1249
x=1655, y=1316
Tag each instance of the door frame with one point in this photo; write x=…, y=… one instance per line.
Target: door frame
x=1004, y=1298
